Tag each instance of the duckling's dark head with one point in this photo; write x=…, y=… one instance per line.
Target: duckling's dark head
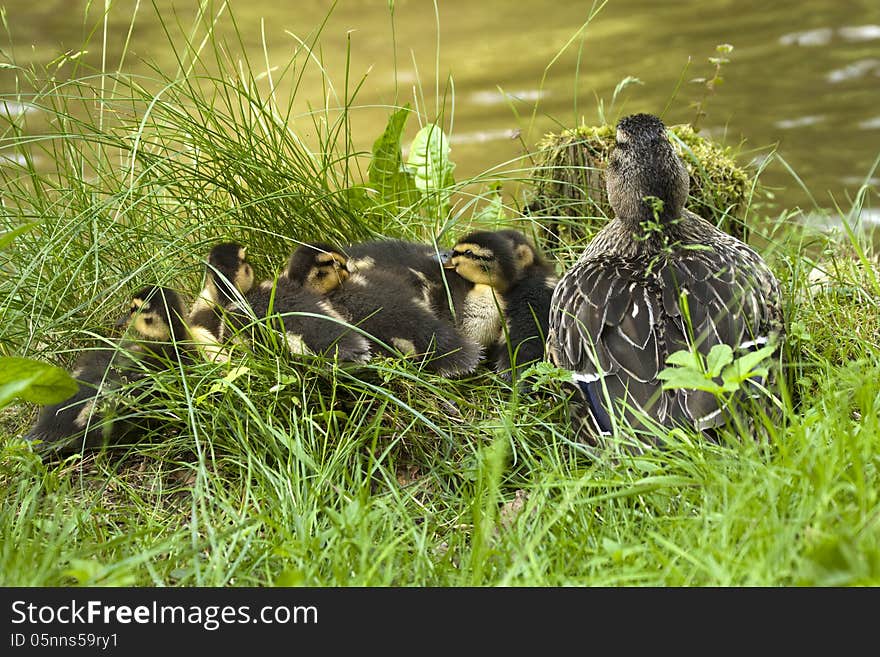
x=524, y=250
x=156, y=313
x=317, y=266
x=643, y=169
x=228, y=267
x=485, y=257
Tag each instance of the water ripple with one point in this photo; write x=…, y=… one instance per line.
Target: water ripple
x=860, y=180
x=822, y=36
x=17, y=158
x=858, y=69
x=800, y=122
x=860, y=32
x=819, y=37
x=870, y=124
x=11, y=109
x=499, y=97
x=482, y=136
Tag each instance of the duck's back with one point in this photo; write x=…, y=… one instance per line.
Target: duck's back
x=615, y=319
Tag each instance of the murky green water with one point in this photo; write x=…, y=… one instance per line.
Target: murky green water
x=804, y=75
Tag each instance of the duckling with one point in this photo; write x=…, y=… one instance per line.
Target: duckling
x=386, y=308
x=310, y=323
x=230, y=275
x=414, y=261
x=156, y=317
x=487, y=261
x=527, y=308
x=508, y=306
x=655, y=280
x=417, y=264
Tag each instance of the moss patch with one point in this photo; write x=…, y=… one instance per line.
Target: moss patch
x=570, y=183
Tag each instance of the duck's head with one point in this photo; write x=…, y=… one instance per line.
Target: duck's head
x=487, y=258
x=318, y=267
x=642, y=167
x=230, y=271
x=156, y=313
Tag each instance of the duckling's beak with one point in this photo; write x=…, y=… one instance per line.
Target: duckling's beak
x=122, y=321
x=443, y=256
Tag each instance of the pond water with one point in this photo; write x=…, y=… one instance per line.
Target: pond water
x=803, y=77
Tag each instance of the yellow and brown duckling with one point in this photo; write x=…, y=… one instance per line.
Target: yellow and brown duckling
x=655, y=280
x=160, y=339
x=397, y=318
x=507, y=306
x=229, y=276
x=487, y=262
x=311, y=325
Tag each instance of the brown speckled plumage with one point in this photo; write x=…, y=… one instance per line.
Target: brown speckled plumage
x=617, y=314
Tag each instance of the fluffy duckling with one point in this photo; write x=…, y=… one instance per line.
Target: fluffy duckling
x=417, y=264
x=311, y=325
x=160, y=339
x=386, y=308
x=657, y=279
x=507, y=308
x=487, y=261
x=229, y=276
x=526, y=308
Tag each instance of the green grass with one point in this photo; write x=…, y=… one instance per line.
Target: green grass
x=314, y=474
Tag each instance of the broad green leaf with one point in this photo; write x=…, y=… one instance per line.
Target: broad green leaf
x=733, y=380
x=719, y=356
x=683, y=358
x=9, y=235
x=428, y=161
x=742, y=367
x=34, y=381
x=386, y=173
x=687, y=379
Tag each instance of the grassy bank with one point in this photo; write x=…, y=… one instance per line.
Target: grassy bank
x=283, y=472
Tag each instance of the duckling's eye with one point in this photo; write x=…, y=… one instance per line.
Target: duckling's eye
x=320, y=274
x=469, y=252
x=148, y=320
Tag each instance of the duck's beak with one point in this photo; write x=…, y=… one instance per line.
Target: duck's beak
x=445, y=258
x=122, y=321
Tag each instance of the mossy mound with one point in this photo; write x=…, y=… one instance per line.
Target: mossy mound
x=570, y=183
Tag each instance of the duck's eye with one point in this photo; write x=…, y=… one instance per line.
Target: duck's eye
x=469, y=252
x=320, y=274
x=148, y=320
